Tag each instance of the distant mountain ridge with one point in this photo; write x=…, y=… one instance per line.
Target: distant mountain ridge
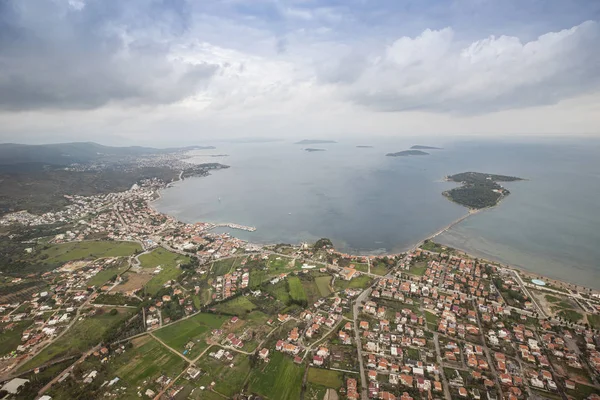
x=315, y=141
x=75, y=152
x=421, y=147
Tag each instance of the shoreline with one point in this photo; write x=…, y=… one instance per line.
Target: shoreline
x=414, y=247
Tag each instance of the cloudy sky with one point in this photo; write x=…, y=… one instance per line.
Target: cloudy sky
x=157, y=72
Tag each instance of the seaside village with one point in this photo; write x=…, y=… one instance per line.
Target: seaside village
x=134, y=304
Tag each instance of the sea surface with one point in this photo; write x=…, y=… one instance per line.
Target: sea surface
x=368, y=203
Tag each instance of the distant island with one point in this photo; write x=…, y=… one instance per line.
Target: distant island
x=420, y=147
x=311, y=150
x=478, y=190
x=315, y=141
x=407, y=153
x=364, y=147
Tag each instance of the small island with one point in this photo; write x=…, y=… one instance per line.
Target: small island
x=364, y=147
x=314, y=141
x=407, y=153
x=310, y=150
x=478, y=190
x=421, y=147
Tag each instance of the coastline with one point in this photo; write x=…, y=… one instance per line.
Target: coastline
x=521, y=270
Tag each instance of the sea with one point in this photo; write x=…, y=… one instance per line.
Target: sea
x=368, y=203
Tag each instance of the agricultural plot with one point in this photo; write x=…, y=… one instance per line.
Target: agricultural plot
x=195, y=329
x=323, y=285
x=237, y=306
x=106, y=274
x=325, y=377
x=229, y=376
x=418, y=269
x=89, y=250
x=163, y=258
x=80, y=337
x=280, y=379
x=11, y=339
x=361, y=282
x=142, y=365
x=296, y=289
x=222, y=267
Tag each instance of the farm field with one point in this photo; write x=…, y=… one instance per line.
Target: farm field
x=103, y=276
x=144, y=363
x=81, y=337
x=280, y=379
x=62, y=253
x=418, y=269
x=296, y=288
x=11, y=339
x=322, y=283
x=163, y=258
x=325, y=377
x=379, y=269
x=222, y=267
x=194, y=329
x=361, y=282
x=229, y=380
x=237, y=306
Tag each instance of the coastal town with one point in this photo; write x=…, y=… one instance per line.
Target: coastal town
x=126, y=302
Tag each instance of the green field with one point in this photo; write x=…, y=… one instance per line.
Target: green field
x=594, y=321
x=229, y=381
x=431, y=319
x=362, y=267
x=222, y=267
x=116, y=299
x=103, y=276
x=62, y=253
x=280, y=291
x=163, y=258
x=418, y=269
x=432, y=246
x=362, y=282
x=10, y=340
x=280, y=379
x=379, y=269
x=325, y=377
x=193, y=329
x=169, y=263
x=159, y=280
x=297, y=292
x=322, y=283
x=279, y=264
x=145, y=362
x=79, y=338
x=570, y=315
x=237, y=306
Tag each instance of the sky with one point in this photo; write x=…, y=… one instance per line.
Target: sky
x=168, y=72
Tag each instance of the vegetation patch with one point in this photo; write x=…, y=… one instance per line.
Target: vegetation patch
x=297, y=293
x=323, y=284
x=10, y=339
x=87, y=250
x=237, y=306
x=279, y=379
x=228, y=376
x=80, y=337
x=222, y=267
x=163, y=258
x=325, y=377
x=194, y=329
x=144, y=363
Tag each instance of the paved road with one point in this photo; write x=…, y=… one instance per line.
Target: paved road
x=363, y=379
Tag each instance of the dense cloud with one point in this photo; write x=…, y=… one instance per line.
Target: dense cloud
x=435, y=72
x=82, y=55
